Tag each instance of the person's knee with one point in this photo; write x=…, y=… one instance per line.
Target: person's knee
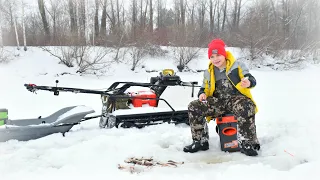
x=193, y=104
x=244, y=109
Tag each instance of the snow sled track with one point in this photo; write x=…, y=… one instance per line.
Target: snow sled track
x=146, y=119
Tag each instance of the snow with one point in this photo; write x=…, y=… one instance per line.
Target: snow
x=287, y=125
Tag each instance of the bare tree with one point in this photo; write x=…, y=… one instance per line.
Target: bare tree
x=63, y=53
x=86, y=59
x=117, y=27
x=5, y=55
x=192, y=13
x=91, y=60
x=118, y=48
x=151, y=17
x=178, y=31
x=218, y=16
x=118, y=15
x=103, y=28
x=275, y=24
x=224, y=15
x=134, y=19
x=143, y=11
x=161, y=32
x=73, y=18
x=211, y=17
x=159, y=16
x=236, y=15
x=82, y=19
x=44, y=18
x=184, y=55
x=137, y=52
x=285, y=18
x=96, y=22
x=113, y=18
x=202, y=11
x=55, y=12
x=24, y=29
x=183, y=14
x=254, y=35
x=16, y=31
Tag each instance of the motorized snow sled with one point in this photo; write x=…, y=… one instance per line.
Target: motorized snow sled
x=122, y=107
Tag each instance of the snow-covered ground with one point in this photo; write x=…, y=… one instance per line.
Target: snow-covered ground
x=287, y=125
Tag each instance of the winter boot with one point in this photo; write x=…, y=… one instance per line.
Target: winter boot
x=196, y=146
x=249, y=149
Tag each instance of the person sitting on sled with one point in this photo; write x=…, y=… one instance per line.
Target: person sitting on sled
x=225, y=89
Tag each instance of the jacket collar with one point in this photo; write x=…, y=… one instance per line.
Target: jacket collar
x=230, y=61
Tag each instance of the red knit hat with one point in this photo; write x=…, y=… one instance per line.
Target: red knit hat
x=217, y=46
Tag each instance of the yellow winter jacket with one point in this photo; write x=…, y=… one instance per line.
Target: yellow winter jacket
x=235, y=71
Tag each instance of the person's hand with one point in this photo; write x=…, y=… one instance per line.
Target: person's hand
x=203, y=97
x=245, y=83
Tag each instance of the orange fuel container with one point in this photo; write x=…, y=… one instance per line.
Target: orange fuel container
x=139, y=98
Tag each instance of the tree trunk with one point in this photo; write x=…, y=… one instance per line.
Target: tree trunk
x=53, y=13
x=211, y=23
x=24, y=29
x=87, y=27
x=16, y=31
x=96, y=21
x=151, y=17
x=177, y=21
x=285, y=19
x=141, y=16
x=159, y=14
x=183, y=17
x=145, y=15
x=224, y=15
x=82, y=20
x=275, y=15
x=218, y=18
x=202, y=12
x=113, y=20
x=234, y=15
x=103, y=28
x=118, y=16
x=123, y=16
x=73, y=18
x=11, y=19
x=44, y=19
x=238, y=15
x=192, y=15
x=134, y=19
